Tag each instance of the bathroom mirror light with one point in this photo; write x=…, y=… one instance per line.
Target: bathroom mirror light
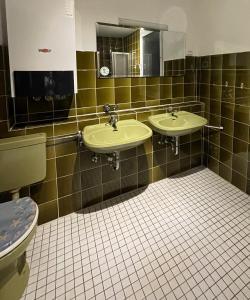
x=136, y=51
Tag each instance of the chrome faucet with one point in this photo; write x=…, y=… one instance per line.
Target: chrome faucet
x=172, y=112
x=113, y=117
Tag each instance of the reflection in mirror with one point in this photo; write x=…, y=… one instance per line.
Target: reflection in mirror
x=133, y=52
x=173, y=53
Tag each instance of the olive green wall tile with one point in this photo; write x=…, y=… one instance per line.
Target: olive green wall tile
x=122, y=94
x=185, y=139
x=145, y=162
x=213, y=164
x=228, y=77
x=145, y=148
x=86, y=110
x=65, y=128
x=122, y=82
x=215, y=92
x=159, y=157
x=216, y=77
x=239, y=165
x=189, y=90
x=205, y=76
x=184, y=150
x=239, y=181
x=190, y=76
x=241, y=131
x=185, y=164
x=91, y=178
x=242, y=114
x=152, y=92
x=145, y=178
x=67, y=165
x=173, y=168
x=66, y=148
x=215, y=107
x=157, y=145
x=92, y=196
x=166, y=80
x=44, y=191
x=205, y=62
x=171, y=154
x=109, y=82
x=138, y=81
x=70, y=204
x=228, y=94
x=85, y=60
x=152, y=102
x=196, y=147
x=196, y=160
x=50, y=151
x=227, y=110
x=108, y=174
x=138, y=93
x=105, y=95
x=127, y=116
x=68, y=184
x=178, y=80
x=138, y=104
x=177, y=90
x=83, y=123
x=129, y=166
x=225, y=172
x=229, y=61
x=86, y=97
x=243, y=77
x=128, y=154
x=216, y=61
x=152, y=80
x=226, y=142
x=50, y=169
x=242, y=95
x=165, y=91
x=2, y=83
x=125, y=105
x=111, y=189
x=129, y=183
x=48, y=129
x=240, y=148
x=159, y=173
x=205, y=90
x=243, y=60
x=226, y=157
x=86, y=79
x=47, y=212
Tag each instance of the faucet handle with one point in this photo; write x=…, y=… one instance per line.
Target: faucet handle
x=169, y=109
x=107, y=108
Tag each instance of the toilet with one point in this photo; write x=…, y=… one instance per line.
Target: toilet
x=22, y=162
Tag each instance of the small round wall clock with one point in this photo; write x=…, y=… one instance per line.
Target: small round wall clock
x=104, y=71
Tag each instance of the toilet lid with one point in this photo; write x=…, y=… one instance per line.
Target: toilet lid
x=17, y=219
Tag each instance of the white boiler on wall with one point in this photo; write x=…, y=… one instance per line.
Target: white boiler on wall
x=41, y=36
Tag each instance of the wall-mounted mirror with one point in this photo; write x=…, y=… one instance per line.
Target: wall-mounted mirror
x=124, y=51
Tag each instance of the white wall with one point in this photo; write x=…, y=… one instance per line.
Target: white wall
x=34, y=25
x=222, y=26
x=177, y=14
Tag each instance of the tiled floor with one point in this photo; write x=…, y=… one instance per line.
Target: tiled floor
x=181, y=238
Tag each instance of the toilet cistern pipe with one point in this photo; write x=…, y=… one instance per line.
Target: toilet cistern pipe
x=15, y=194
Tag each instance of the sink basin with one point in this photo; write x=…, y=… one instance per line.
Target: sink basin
x=102, y=138
x=185, y=123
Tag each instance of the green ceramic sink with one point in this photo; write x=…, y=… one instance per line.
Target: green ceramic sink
x=181, y=123
x=102, y=138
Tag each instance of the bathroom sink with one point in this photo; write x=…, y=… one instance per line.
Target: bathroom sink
x=181, y=123
x=102, y=138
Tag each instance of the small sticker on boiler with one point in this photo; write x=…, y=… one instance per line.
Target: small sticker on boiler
x=69, y=8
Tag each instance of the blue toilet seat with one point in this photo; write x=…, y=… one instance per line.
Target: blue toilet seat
x=17, y=220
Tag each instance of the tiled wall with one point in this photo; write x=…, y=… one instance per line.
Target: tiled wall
x=224, y=88
x=73, y=181
x=132, y=45
x=106, y=45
